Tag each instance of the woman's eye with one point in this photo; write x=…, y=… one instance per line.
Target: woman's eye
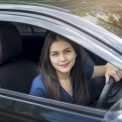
x=54, y=54
x=67, y=51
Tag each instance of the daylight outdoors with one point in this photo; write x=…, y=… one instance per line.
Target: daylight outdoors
x=107, y=13
x=56, y=40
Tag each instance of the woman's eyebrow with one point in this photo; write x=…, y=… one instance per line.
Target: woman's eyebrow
x=54, y=51
x=58, y=51
x=67, y=48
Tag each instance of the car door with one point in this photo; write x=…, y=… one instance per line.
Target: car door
x=25, y=108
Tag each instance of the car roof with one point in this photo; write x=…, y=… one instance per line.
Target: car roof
x=73, y=20
x=79, y=7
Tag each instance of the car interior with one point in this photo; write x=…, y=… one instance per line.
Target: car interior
x=16, y=72
x=20, y=48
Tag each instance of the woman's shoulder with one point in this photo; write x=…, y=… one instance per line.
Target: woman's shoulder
x=38, y=81
x=38, y=87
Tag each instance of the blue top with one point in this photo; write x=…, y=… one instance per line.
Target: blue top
x=40, y=89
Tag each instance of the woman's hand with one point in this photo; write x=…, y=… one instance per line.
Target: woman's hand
x=113, y=71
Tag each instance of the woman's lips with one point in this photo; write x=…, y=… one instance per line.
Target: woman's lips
x=64, y=65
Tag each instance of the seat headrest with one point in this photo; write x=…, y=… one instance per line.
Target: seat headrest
x=10, y=42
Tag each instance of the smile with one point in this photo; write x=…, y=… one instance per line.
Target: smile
x=64, y=65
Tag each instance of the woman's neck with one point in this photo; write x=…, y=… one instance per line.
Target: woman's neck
x=65, y=82
x=63, y=76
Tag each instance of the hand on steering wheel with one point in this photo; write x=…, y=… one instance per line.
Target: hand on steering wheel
x=113, y=71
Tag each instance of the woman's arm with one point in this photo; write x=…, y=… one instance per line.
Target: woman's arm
x=107, y=70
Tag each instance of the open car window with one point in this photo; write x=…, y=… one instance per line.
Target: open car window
x=33, y=38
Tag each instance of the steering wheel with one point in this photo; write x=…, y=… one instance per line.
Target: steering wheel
x=105, y=93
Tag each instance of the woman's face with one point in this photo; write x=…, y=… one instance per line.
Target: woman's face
x=62, y=56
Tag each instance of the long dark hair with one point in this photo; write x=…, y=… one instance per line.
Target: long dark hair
x=50, y=76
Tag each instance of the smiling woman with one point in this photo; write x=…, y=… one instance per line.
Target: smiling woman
x=62, y=76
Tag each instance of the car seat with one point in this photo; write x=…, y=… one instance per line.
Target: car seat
x=96, y=84
x=16, y=73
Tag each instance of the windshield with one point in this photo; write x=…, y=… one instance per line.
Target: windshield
x=106, y=13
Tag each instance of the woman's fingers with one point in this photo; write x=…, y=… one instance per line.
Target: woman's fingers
x=118, y=73
x=115, y=73
x=116, y=77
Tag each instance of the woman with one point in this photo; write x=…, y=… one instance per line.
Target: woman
x=62, y=77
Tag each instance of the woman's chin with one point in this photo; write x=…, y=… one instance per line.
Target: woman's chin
x=66, y=70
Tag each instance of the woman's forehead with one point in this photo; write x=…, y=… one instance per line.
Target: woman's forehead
x=60, y=45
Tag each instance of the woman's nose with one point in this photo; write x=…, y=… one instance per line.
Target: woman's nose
x=62, y=57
